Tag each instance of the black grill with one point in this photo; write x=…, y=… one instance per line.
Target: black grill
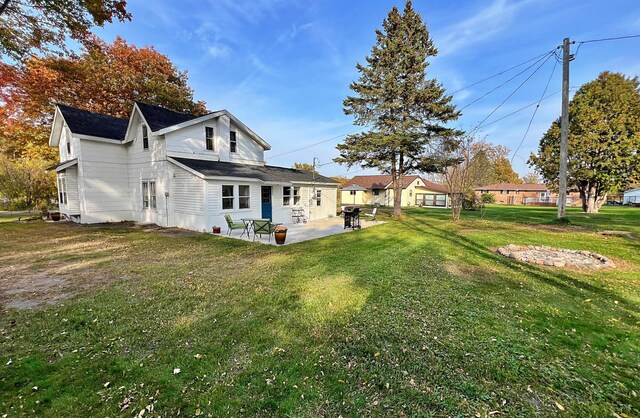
x=351, y=217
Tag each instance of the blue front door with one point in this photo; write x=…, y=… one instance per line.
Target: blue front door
x=266, y=202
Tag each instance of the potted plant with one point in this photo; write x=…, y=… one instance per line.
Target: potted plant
x=280, y=232
x=215, y=229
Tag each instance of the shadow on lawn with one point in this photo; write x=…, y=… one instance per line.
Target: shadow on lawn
x=557, y=279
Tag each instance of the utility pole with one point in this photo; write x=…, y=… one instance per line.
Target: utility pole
x=564, y=131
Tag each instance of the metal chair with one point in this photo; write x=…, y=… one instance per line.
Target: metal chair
x=371, y=216
x=263, y=226
x=234, y=225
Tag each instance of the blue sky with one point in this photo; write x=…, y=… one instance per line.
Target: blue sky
x=284, y=66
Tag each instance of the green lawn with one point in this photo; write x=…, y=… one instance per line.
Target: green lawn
x=417, y=317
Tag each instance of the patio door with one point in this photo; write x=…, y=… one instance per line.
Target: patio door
x=266, y=202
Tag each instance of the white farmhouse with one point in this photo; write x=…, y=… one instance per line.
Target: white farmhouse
x=176, y=169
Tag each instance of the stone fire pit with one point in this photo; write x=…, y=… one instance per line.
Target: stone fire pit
x=555, y=257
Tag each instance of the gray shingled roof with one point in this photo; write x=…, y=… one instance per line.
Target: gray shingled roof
x=84, y=122
x=264, y=173
x=160, y=118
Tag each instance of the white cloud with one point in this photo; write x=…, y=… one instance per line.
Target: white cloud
x=479, y=27
x=218, y=50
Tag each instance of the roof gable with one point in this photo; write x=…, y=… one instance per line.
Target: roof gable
x=83, y=122
x=159, y=118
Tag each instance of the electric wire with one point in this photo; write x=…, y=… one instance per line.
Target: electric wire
x=609, y=39
x=553, y=70
x=499, y=73
x=472, y=131
x=508, y=81
x=314, y=144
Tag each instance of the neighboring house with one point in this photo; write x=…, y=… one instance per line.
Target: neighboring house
x=524, y=194
x=631, y=197
x=176, y=169
x=379, y=191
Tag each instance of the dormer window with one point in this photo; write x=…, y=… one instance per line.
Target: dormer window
x=208, y=135
x=233, y=144
x=145, y=137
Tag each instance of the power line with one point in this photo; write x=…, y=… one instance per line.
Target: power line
x=314, y=144
x=510, y=95
x=535, y=111
x=500, y=73
x=519, y=110
x=609, y=39
x=508, y=81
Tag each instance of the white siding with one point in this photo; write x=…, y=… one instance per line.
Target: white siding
x=189, y=142
x=283, y=214
x=72, y=207
x=103, y=182
x=188, y=200
x=148, y=165
x=65, y=136
x=215, y=213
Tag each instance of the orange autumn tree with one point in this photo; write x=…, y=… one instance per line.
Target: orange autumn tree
x=104, y=78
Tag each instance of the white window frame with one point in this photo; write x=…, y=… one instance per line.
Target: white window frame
x=241, y=197
x=352, y=192
x=145, y=137
x=62, y=190
x=227, y=198
x=148, y=191
x=233, y=141
x=292, y=198
x=213, y=138
x=318, y=197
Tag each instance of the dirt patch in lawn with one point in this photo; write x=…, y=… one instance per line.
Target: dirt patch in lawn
x=23, y=289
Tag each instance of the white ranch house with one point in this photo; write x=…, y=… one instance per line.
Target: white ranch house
x=176, y=169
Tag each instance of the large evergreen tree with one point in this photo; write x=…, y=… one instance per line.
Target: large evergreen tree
x=604, y=139
x=406, y=111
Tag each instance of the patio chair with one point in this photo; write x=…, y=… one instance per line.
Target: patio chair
x=234, y=225
x=371, y=216
x=263, y=226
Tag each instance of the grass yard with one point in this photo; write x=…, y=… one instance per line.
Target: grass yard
x=418, y=317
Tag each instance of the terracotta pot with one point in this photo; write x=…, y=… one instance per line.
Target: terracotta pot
x=280, y=234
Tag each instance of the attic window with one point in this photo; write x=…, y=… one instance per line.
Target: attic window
x=233, y=144
x=68, y=146
x=208, y=134
x=145, y=137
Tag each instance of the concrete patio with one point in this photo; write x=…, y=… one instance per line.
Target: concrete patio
x=306, y=231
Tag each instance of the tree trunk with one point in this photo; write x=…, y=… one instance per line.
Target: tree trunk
x=456, y=205
x=591, y=202
x=396, y=176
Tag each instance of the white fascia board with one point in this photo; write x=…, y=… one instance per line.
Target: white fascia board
x=184, y=167
x=135, y=109
x=56, y=127
x=235, y=179
x=315, y=183
x=98, y=139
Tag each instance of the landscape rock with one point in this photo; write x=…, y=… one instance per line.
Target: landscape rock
x=555, y=257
